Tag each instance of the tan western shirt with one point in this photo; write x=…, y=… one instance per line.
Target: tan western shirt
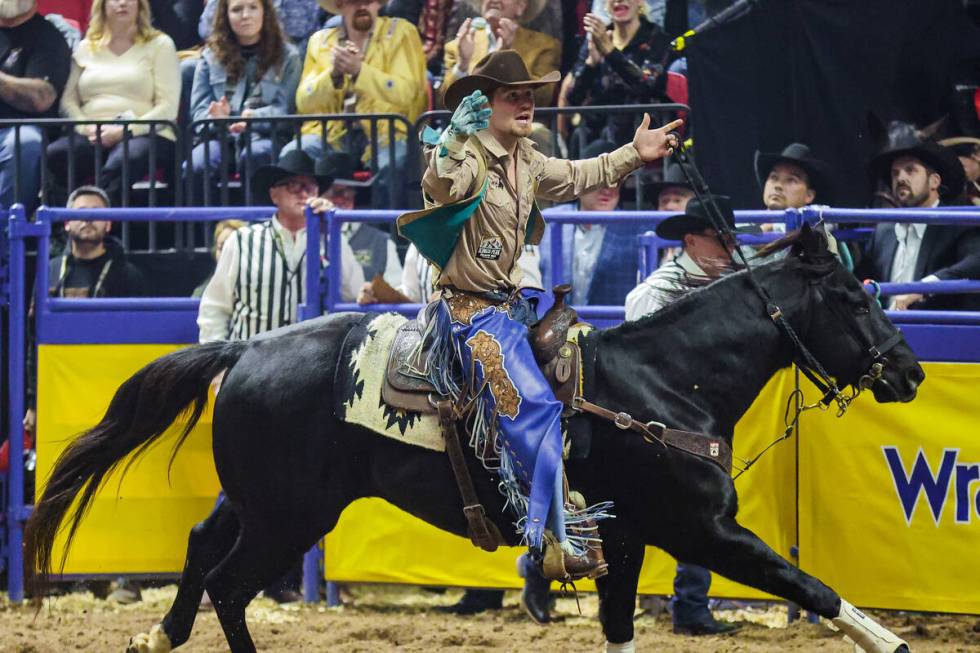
x=492, y=239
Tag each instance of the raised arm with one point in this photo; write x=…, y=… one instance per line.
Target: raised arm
x=561, y=180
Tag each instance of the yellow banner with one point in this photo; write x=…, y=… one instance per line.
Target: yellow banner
x=889, y=509
x=141, y=525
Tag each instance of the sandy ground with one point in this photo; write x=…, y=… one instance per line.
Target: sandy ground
x=385, y=618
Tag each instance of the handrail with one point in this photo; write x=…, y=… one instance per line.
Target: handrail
x=293, y=123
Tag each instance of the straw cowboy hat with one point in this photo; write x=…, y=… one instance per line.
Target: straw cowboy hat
x=294, y=163
x=797, y=154
x=500, y=68
x=942, y=159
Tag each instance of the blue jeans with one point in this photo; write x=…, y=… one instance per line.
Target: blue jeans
x=213, y=156
x=381, y=195
x=691, y=585
x=27, y=167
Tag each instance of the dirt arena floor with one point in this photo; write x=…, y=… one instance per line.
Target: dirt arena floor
x=385, y=618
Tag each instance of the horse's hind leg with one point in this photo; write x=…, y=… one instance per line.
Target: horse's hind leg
x=260, y=555
x=737, y=553
x=209, y=542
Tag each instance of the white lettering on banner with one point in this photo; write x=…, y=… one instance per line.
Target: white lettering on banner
x=935, y=485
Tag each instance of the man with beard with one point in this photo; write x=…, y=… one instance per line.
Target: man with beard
x=93, y=265
x=922, y=176
x=366, y=64
x=34, y=66
x=498, y=29
x=481, y=181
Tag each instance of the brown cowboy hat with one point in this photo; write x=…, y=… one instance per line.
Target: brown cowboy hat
x=500, y=68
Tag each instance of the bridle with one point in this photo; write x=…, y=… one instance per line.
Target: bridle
x=807, y=363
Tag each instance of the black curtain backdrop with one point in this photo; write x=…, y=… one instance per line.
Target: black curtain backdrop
x=810, y=71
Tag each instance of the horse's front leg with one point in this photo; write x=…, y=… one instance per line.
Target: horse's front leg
x=617, y=590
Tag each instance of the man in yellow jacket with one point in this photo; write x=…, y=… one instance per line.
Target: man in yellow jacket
x=366, y=64
x=497, y=28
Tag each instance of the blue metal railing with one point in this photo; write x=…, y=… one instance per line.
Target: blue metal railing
x=318, y=301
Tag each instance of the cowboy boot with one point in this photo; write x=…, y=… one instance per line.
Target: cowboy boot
x=562, y=565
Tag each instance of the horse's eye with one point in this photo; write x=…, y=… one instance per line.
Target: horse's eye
x=862, y=309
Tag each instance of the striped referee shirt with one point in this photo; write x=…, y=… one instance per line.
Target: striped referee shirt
x=260, y=281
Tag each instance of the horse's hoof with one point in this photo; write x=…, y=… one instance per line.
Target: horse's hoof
x=155, y=641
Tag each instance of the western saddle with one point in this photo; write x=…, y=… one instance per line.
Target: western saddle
x=559, y=360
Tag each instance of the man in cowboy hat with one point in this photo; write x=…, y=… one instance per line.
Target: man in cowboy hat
x=498, y=28
x=792, y=179
x=921, y=175
x=480, y=185
x=703, y=257
x=259, y=280
x=673, y=192
x=374, y=249
x=366, y=64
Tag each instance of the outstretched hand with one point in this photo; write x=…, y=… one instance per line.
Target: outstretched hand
x=472, y=115
x=653, y=144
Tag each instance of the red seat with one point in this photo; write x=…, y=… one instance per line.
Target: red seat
x=677, y=88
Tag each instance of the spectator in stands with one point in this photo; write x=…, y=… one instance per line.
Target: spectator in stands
x=673, y=192
x=366, y=64
x=222, y=231
x=792, y=179
x=498, y=28
x=600, y=259
x=300, y=19
x=94, y=264
x=922, y=175
x=702, y=258
x=265, y=260
x=374, y=249
x=122, y=69
x=619, y=64
x=967, y=149
x=178, y=19
x=247, y=70
x=33, y=69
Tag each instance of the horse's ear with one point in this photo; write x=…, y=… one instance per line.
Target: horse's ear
x=812, y=242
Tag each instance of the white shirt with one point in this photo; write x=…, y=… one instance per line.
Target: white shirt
x=586, y=246
x=218, y=300
x=909, y=241
x=661, y=287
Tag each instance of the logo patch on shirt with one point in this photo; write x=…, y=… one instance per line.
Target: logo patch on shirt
x=490, y=249
x=495, y=180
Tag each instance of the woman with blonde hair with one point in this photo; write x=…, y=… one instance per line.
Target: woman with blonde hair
x=122, y=69
x=248, y=69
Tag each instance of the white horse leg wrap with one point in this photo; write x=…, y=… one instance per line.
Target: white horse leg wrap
x=627, y=647
x=865, y=631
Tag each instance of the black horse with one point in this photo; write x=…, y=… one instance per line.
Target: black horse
x=289, y=467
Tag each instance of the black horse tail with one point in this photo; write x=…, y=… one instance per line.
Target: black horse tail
x=140, y=412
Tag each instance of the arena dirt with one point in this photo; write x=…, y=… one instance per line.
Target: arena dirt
x=384, y=618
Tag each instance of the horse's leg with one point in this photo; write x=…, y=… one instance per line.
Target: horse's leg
x=617, y=590
x=738, y=553
x=209, y=542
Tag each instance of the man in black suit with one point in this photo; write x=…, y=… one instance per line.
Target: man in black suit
x=922, y=176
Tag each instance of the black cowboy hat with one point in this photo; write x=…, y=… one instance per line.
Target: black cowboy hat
x=294, y=163
x=500, y=68
x=797, y=154
x=942, y=159
x=340, y=168
x=696, y=218
x=673, y=176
